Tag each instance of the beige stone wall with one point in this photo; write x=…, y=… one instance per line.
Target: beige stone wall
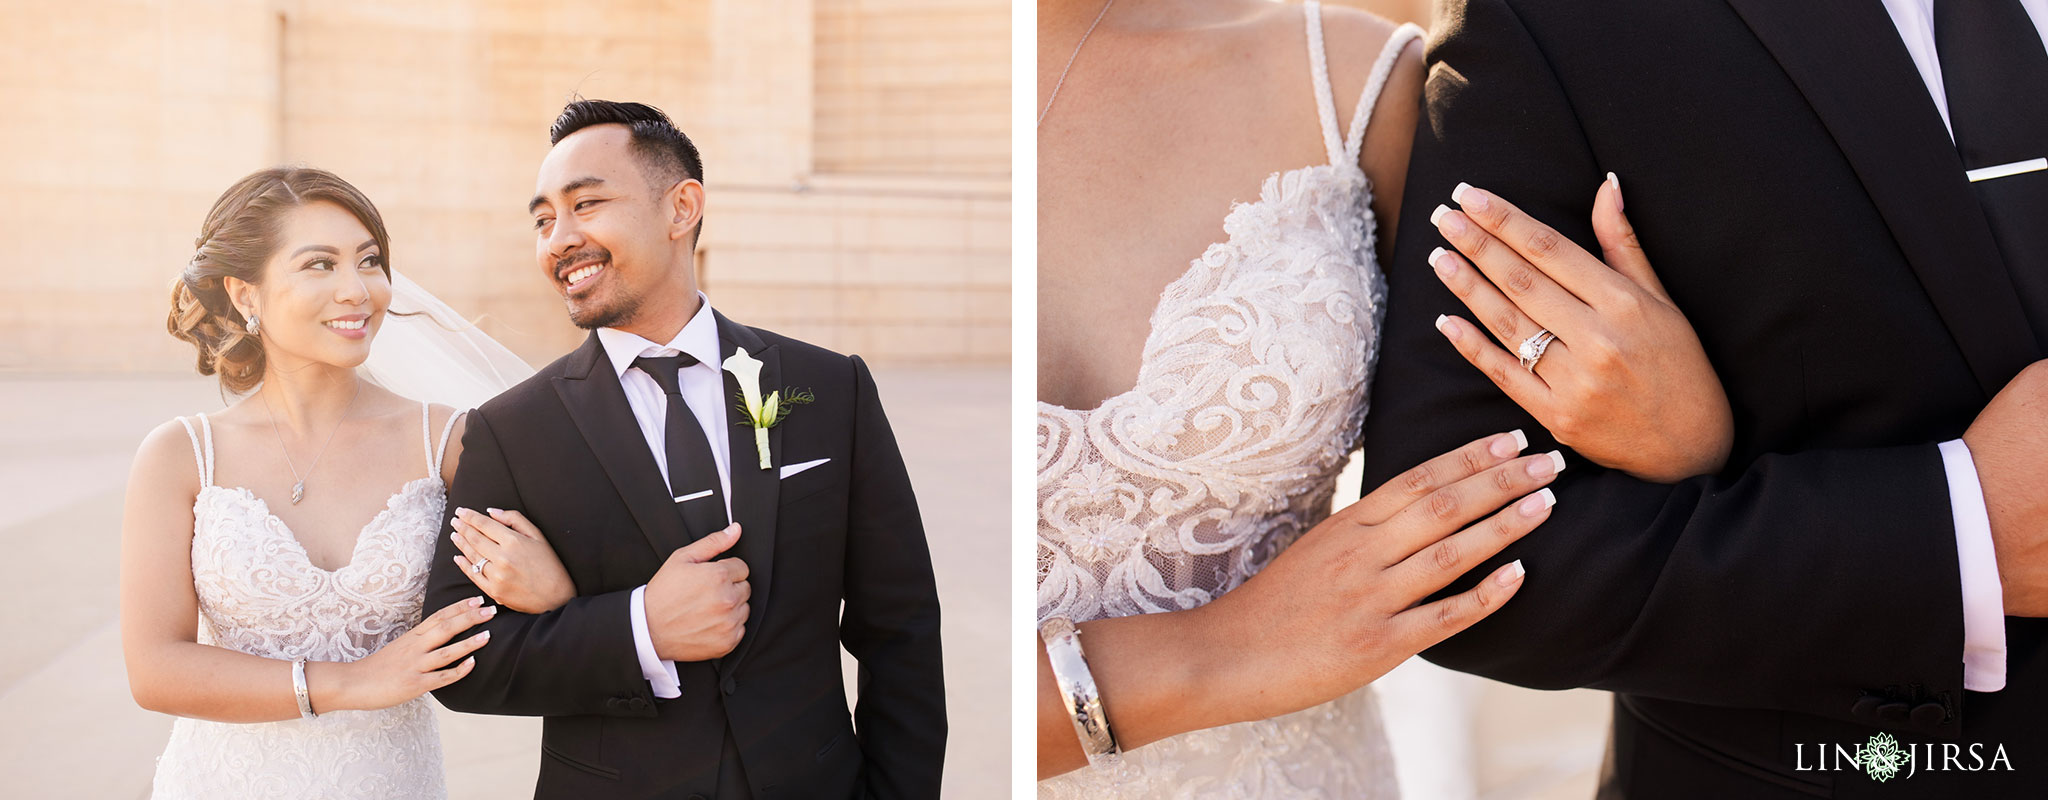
x=825, y=220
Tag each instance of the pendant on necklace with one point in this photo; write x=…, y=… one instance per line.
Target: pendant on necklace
x=298, y=492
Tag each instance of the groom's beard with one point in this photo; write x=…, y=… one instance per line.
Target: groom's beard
x=607, y=306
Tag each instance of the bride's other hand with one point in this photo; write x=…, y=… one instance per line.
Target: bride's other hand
x=415, y=663
x=1626, y=382
x=1339, y=608
x=1345, y=603
x=521, y=570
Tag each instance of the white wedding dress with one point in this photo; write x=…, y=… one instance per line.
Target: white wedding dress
x=1248, y=402
x=259, y=594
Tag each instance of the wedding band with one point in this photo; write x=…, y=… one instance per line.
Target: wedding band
x=478, y=567
x=1532, y=348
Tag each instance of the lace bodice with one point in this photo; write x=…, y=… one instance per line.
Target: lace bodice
x=259, y=594
x=1249, y=399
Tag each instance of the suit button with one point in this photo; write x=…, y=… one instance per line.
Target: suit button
x=1866, y=706
x=613, y=703
x=640, y=704
x=1893, y=713
x=729, y=686
x=1928, y=715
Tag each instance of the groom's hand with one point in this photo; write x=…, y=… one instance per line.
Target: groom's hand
x=697, y=607
x=2009, y=445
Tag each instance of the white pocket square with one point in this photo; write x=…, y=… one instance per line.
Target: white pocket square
x=792, y=469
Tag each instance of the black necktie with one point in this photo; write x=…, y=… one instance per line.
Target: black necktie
x=692, y=474
x=1994, y=69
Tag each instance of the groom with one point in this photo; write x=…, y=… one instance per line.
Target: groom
x=673, y=674
x=1835, y=192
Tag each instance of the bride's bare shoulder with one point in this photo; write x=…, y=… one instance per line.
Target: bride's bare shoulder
x=167, y=461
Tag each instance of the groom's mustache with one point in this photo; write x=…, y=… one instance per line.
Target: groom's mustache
x=578, y=258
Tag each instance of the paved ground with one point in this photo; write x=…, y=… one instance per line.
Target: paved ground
x=68, y=727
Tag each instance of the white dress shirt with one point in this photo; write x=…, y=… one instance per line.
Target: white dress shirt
x=702, y=387
x=1983, y=594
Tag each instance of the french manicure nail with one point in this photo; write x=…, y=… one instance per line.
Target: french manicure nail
x=1512, y=574
x=1535, y=504
x=1438, y=214
x=1521, y=440
x=495, y=511
x=1471, y=199
x=1556, y=461
x=1444, y=326
x=1443, y=268
x=490, y=612
x=484, y=637
x=475, y=601
x=1506, y=445
x=1611, y=178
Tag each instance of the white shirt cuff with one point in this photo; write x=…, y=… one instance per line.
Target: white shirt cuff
x=662, y=674
x=1983, y=595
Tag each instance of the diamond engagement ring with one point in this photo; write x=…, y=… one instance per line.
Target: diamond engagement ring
x=478, y=567
x=1532, y=348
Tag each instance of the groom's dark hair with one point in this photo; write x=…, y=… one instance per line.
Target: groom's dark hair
x=666, y=154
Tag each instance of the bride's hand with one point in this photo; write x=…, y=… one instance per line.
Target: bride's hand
x=411, y=665
x=1625, y=383
x=521, y=570
x=1345, y=603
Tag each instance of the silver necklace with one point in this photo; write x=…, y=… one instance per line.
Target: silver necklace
x=1070, y=63
x=299, y=488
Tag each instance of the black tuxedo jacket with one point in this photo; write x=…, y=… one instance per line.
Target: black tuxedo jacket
x=1790, y=178
x=563, y=448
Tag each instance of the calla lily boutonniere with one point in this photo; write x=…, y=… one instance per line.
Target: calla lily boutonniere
x=761, y=414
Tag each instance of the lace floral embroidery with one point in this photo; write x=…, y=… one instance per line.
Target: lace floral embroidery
x=259, y=594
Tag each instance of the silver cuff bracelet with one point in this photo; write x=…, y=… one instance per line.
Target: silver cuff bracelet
x=299, y=690
x=1077, y=687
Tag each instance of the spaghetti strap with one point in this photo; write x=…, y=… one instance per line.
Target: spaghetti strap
x=1319, y=71
x=206, y=462
x=1381, y=68
x=441, y=452
x=427, y=438
x=198, y=454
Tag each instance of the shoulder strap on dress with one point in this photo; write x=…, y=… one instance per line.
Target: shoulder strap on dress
x=1319, y=70
x=1381, y=68
x=202, y=448
x=1326, y=103
x=198, y=454
x=427, y=437
x=441, y=452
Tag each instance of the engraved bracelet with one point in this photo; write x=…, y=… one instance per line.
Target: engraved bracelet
x=1077, y=687
x=299, y=690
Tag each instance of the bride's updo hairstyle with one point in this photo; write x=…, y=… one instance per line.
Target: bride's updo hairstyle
x=238, y=238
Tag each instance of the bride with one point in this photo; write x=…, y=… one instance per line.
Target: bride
x=274, y=555
x=1201, y=387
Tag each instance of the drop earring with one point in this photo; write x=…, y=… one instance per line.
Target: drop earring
x=255, y=326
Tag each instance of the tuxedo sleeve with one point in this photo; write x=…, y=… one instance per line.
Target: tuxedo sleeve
x=576, y=659
x=1799, y=581
x=891, y=620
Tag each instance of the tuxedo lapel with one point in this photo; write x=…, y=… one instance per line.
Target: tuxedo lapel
x=597, y=404
x=1847, y=59
x=755, y=491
